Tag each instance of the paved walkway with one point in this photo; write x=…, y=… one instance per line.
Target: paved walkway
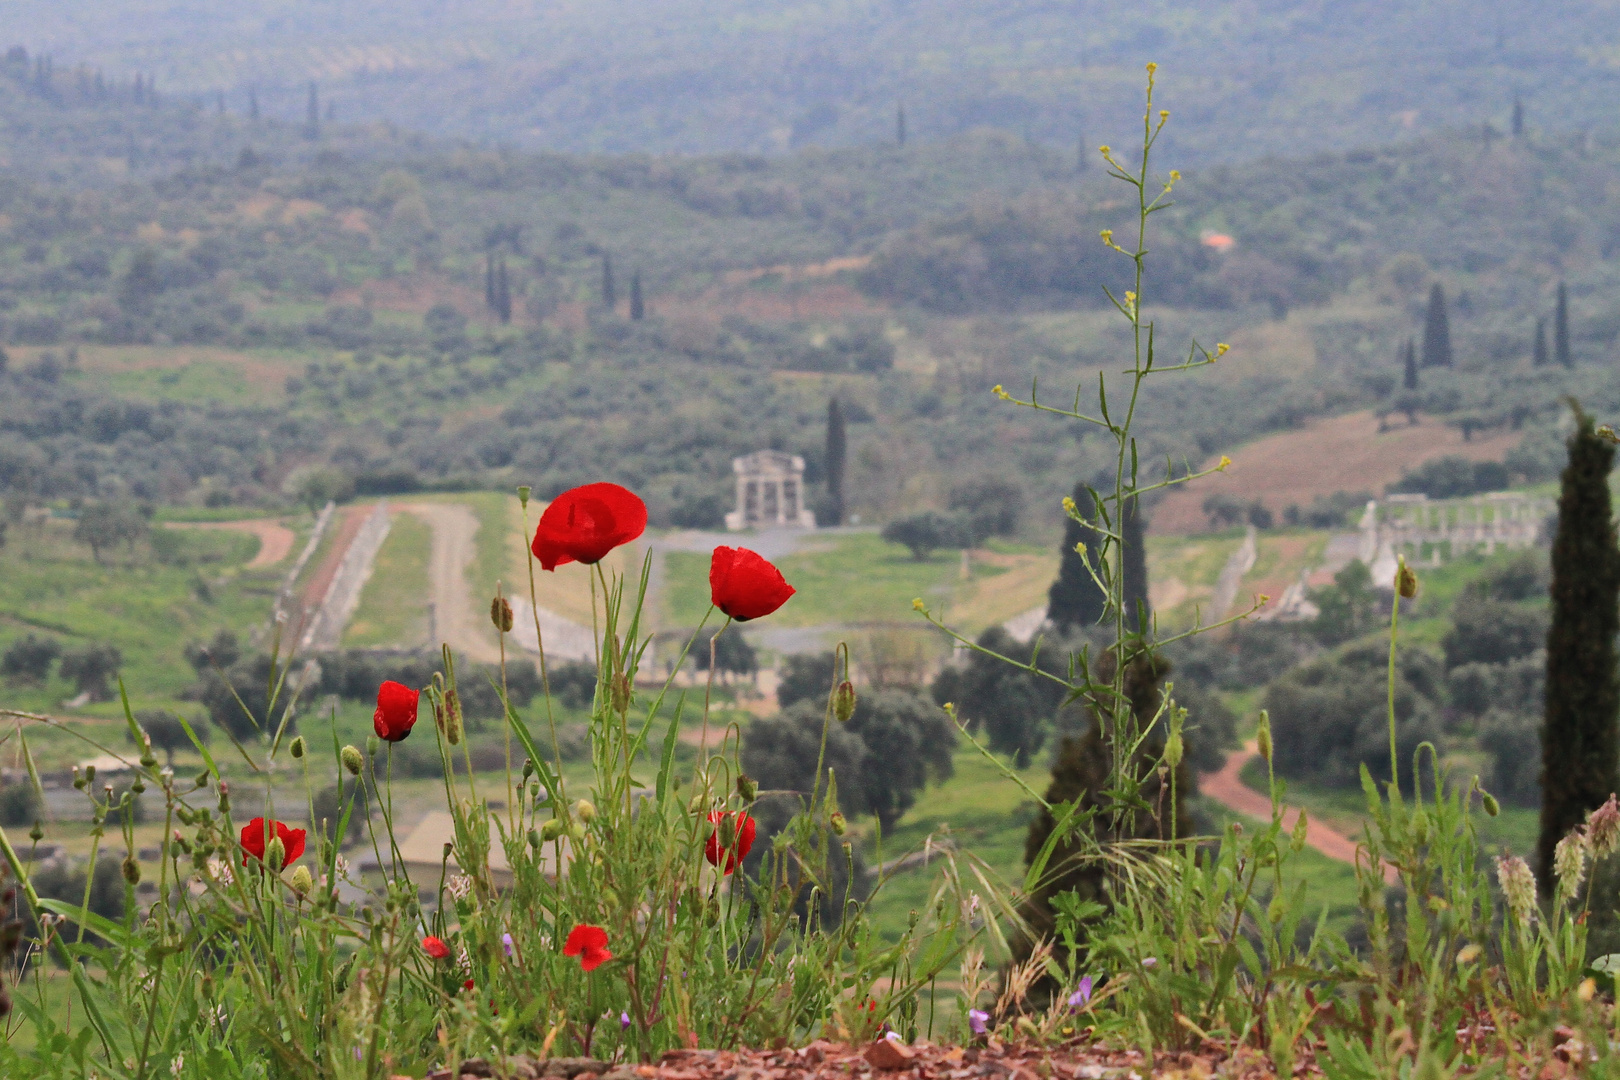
x=1227, y=788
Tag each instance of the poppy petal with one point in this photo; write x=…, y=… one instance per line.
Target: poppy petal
x=745, y=585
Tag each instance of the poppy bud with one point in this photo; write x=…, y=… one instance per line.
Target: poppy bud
x=79, y=781
x=836, y=822
x=552, y=829
x=1490, y=804
x=372, y=746
x=500, y=613
x=275, y=852
x=202, y=779
x=698, y=805
x=297, y=748
x=534, y=839
x=1277, y=908
x=586, y=811
x=620, y=692
x=302, y=880
x=843, y=701
x=747, y=788
x=132, y=870
x=1262, y=737
x=452, y=717
x=576, y=832
x=1406, y=582
x=523, y=495
x=352, y=759
x=727, y=829
x=1173, y=750
x=528, y=768
x=1297, y=843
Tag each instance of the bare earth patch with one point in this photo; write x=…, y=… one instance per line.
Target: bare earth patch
x=1341, y=453
x=275, y=539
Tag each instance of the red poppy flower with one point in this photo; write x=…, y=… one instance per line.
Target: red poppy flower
x=254, y=840
x=396, y=711
x=435, y=947
x=590, y=944
x=468, y=985
x=744, y=585
x=741, y=845
x=584, y=524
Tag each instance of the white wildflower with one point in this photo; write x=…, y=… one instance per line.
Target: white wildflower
x=464, y=962
x=460, y=886
x=177, y=1064
x=340, y=867
x=1569, y=862
x=221, y=871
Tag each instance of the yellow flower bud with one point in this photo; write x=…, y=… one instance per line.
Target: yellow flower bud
x=586, y=811
x=1225, y=463
x=918, y=605
x=1069, y=506
x=1152, y=67
x=1222, y=348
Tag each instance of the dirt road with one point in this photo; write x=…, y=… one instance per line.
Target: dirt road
x=457, y=619
x=1227, y=788
x=275, y=539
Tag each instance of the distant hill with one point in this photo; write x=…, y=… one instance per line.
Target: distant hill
x=1277, y=76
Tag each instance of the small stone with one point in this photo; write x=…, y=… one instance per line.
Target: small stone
x=476, y=1067
x=570, y=1067
x=621, y=1072
x=889, y=1054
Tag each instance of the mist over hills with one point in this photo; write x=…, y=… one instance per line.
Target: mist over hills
x=1252, y=78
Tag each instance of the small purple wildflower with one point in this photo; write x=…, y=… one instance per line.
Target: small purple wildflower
x=624, y=1021
x=1150, y=963
x=506, y=945
x=978, y=1021
x=893, y=1036
x=1081, y=997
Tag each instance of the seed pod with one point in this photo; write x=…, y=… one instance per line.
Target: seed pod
x=89, y=774
x=836, y=822
x=302, y=881
x=1296, y=843
x=452, y=717
x=1262, y=737
x=37, y=833
x=619, y=692
x=132, y=870
x=528, y=768
x=585, y=810
x=523, y=495
x=1277, y=908
x=843, y=701
x=202, y=779
x=297, y=748
x=79, y=781
x=500, y=613
x=1173, y=750
x=747, y=788
x=353, y=760
x=534, y=839
x=1406, y=582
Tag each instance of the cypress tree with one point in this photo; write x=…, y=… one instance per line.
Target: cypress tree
x=610, y=295
x=1436, y=331
x=900, y=124
x=503, y=291
x=312, y=119
x=1580, y=735
x=1561, y=351
x=1409, y=379
x=836, y=461
x=1133, y=567
x=1518, y=116
x=1538, y=353
x=637, y=310
x=1075, y=601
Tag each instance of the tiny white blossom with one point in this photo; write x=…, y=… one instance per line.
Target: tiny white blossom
x=221, y=871
x=464, y=962
x=460, y=886
x=177, y=1064
x=340, y=867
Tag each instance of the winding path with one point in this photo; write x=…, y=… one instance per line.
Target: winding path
x=455, y=616
x=275, y=539
x=1226, y=787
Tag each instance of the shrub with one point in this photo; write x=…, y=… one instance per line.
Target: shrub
x=806, y=677
x=91, y=668
x=1012, y=707
x=166, y=731
x=29, y=659
x=19, y=804
x=1486, y=631
x=732, y=653
x=923, y=534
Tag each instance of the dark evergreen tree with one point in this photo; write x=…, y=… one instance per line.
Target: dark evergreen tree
x=503, y=291
x=1082, y=771
x=1133, y=566
x=312, y=117
x=1409, y=378
x=1561, y=351
x=1518, y=116
x=637, y=308
x=1580, y=735
x=1538, y=351
x=837, y=453
x=610, y=294
x=1436, y=330
x=900, y=124
x=1075, y=601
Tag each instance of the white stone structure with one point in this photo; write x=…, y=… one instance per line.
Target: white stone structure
x=1409, y=524
x=770, y=492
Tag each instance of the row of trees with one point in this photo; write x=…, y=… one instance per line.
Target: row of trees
x=92, y=668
